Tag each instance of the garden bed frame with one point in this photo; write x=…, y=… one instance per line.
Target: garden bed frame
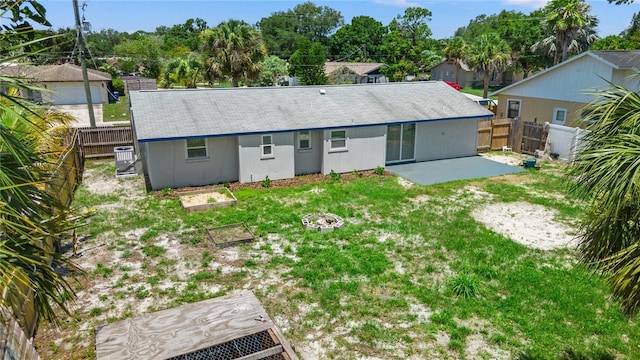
x=203, y=207
x=229, y=235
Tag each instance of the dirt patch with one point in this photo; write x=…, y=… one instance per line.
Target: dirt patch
x=528, y=224
x=204, y=198
x=97, y=182
x=509, y=158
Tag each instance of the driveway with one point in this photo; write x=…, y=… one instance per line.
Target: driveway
x=441, y=171
x=81, y=114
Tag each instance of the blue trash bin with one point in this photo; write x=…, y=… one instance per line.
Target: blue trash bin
x=116, y=96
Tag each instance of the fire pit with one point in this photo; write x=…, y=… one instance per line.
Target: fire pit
x=322, y=222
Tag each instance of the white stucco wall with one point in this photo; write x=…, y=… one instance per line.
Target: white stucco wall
x=254, y=167
x=72, y=93
x=167, y=164
x=366, y=149
x=446, y=139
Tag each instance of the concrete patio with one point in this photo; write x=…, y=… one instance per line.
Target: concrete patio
x=441, y=171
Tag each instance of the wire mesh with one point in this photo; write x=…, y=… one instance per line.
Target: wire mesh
x=234, y=349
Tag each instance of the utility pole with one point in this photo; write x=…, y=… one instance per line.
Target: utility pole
x=83, y=63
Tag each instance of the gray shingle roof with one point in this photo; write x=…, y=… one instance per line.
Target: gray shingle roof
x=358, y=68
x=629, y=59
x=52, y=73
x=179, y=114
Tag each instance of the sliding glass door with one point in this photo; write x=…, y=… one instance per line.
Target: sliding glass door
x=401, y=143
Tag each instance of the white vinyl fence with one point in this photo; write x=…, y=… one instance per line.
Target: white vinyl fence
x=565, y=140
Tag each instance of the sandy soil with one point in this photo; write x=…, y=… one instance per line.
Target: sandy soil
x=528, y=224
x=203, y=198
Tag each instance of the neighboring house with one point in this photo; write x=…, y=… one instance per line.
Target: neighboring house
x=446, y=71
x=558, y=94
x=354, y=72
x=61, y=84
x=209, y=136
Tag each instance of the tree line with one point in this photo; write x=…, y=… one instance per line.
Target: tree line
x=308, y=35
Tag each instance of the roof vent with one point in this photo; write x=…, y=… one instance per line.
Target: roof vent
x=323, y=91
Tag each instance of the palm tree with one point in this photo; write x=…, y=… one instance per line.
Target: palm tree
x=456, y=50
x=234, y=50
x=565, y=18
x=29, y=142
x=606, y=173
x=28, y=215
x=489, y=54
x=186, y=71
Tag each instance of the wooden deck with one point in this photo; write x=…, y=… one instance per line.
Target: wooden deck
x=189, y=328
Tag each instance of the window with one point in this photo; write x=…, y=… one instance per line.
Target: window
x=267, y=146
x=304, y=140
x=513, y=108
x=338, y=140
x=196, y=148
x=559, y=116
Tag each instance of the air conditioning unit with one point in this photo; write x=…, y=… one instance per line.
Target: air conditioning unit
x=125, y=161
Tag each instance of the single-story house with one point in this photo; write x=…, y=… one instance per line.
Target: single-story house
x=338, y=72
x=61, y=84
x=558, y=94
x=446, y=71
x=208, y=136
x=354, y=72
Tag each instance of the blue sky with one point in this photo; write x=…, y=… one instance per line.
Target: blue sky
x=448, y=15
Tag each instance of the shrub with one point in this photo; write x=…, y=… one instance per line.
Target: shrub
x=266, y=182
x=118, y=85
x=334, y=175
x=379, y=170
x=464, y=285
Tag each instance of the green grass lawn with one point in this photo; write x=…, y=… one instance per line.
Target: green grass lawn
x=479, y=91
x=411, y=274
x=118, y=111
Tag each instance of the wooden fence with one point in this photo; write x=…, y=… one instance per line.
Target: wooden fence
x=14, y=343
x=493, y=134
x=520, y=136
x=67, y=173
x=532, y=138
x=100, y=141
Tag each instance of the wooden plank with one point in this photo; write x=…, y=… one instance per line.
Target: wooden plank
x=263, y=354
x=184, y=329
x=288, y=350
x=484, y=135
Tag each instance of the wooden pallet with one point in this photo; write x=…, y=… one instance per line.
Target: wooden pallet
x=236, y=326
